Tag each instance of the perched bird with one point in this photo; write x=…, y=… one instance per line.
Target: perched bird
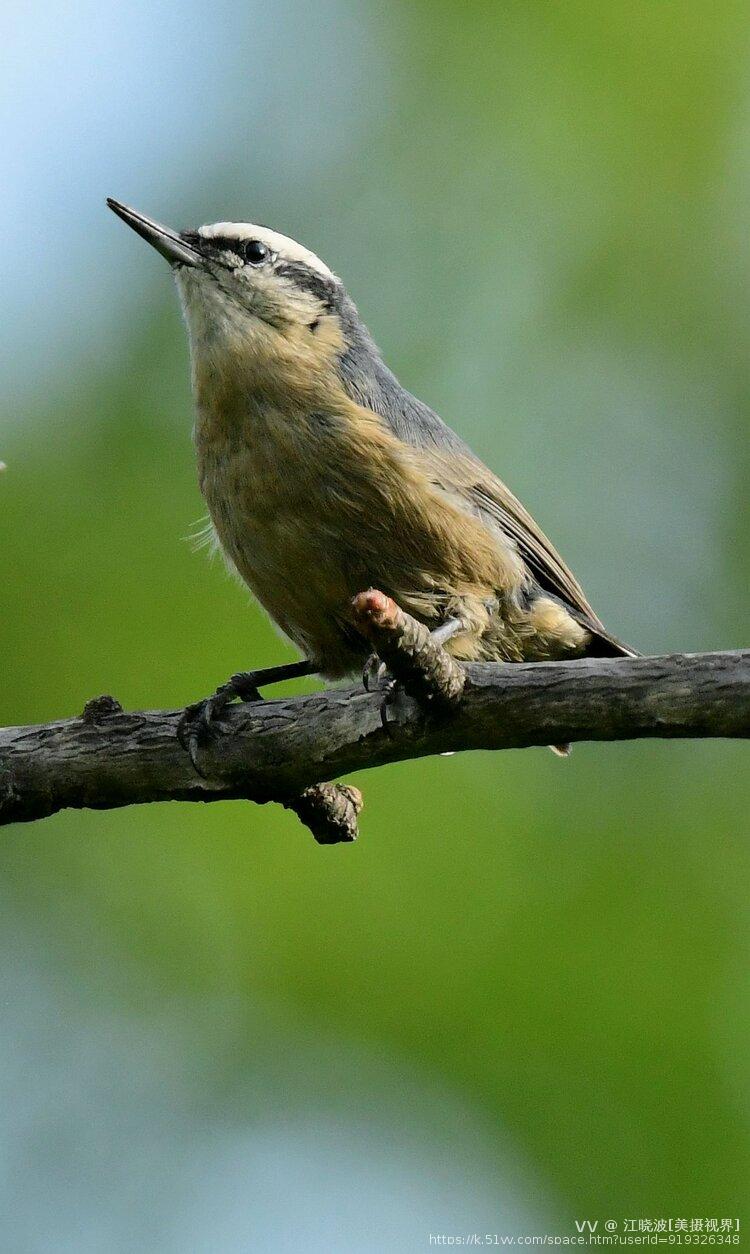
x=323, y=476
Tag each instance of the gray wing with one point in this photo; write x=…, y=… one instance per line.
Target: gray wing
x=543, y=560
x=467, y=478
x=369, y=382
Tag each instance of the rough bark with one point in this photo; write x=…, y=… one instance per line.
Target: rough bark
x=275, y=750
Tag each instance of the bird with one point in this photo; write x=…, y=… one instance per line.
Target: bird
x=323, y=476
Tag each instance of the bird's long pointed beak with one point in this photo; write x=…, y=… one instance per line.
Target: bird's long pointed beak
x=167, y=242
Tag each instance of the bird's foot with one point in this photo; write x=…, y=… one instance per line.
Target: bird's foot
x=203, y=719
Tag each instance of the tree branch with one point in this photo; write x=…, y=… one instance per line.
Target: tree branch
x=282, y=750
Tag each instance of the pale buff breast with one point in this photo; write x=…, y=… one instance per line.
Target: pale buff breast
x=272, y=525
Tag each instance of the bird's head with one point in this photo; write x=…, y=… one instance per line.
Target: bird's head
x=252, y=297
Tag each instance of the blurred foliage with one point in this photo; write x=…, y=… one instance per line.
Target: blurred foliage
x=544, y=221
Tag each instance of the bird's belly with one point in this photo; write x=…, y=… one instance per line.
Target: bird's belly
x=282, y=538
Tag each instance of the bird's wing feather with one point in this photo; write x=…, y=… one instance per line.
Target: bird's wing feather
x=542, y=559
x=369, y=382
x=484, y=493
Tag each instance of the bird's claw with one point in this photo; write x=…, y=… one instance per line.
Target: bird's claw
x=374, y=673
x=375, y=678
x=202, y=720
x=390, y=691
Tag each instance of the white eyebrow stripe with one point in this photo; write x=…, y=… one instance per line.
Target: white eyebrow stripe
x=287, y=248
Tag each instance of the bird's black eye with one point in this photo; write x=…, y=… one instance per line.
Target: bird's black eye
x=255, y=252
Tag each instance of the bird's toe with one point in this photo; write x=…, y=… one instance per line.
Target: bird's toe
x=374, y=673
x=202, y=720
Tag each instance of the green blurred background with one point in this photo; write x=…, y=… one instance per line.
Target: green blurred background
x=522, y=997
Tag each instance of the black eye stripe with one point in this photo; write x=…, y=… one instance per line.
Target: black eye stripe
x=212, y=244
x=326, y=289
x=310, y=281
x=224, y=244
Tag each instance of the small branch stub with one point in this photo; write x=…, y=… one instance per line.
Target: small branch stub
x=99, y=708
x=330, y=811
